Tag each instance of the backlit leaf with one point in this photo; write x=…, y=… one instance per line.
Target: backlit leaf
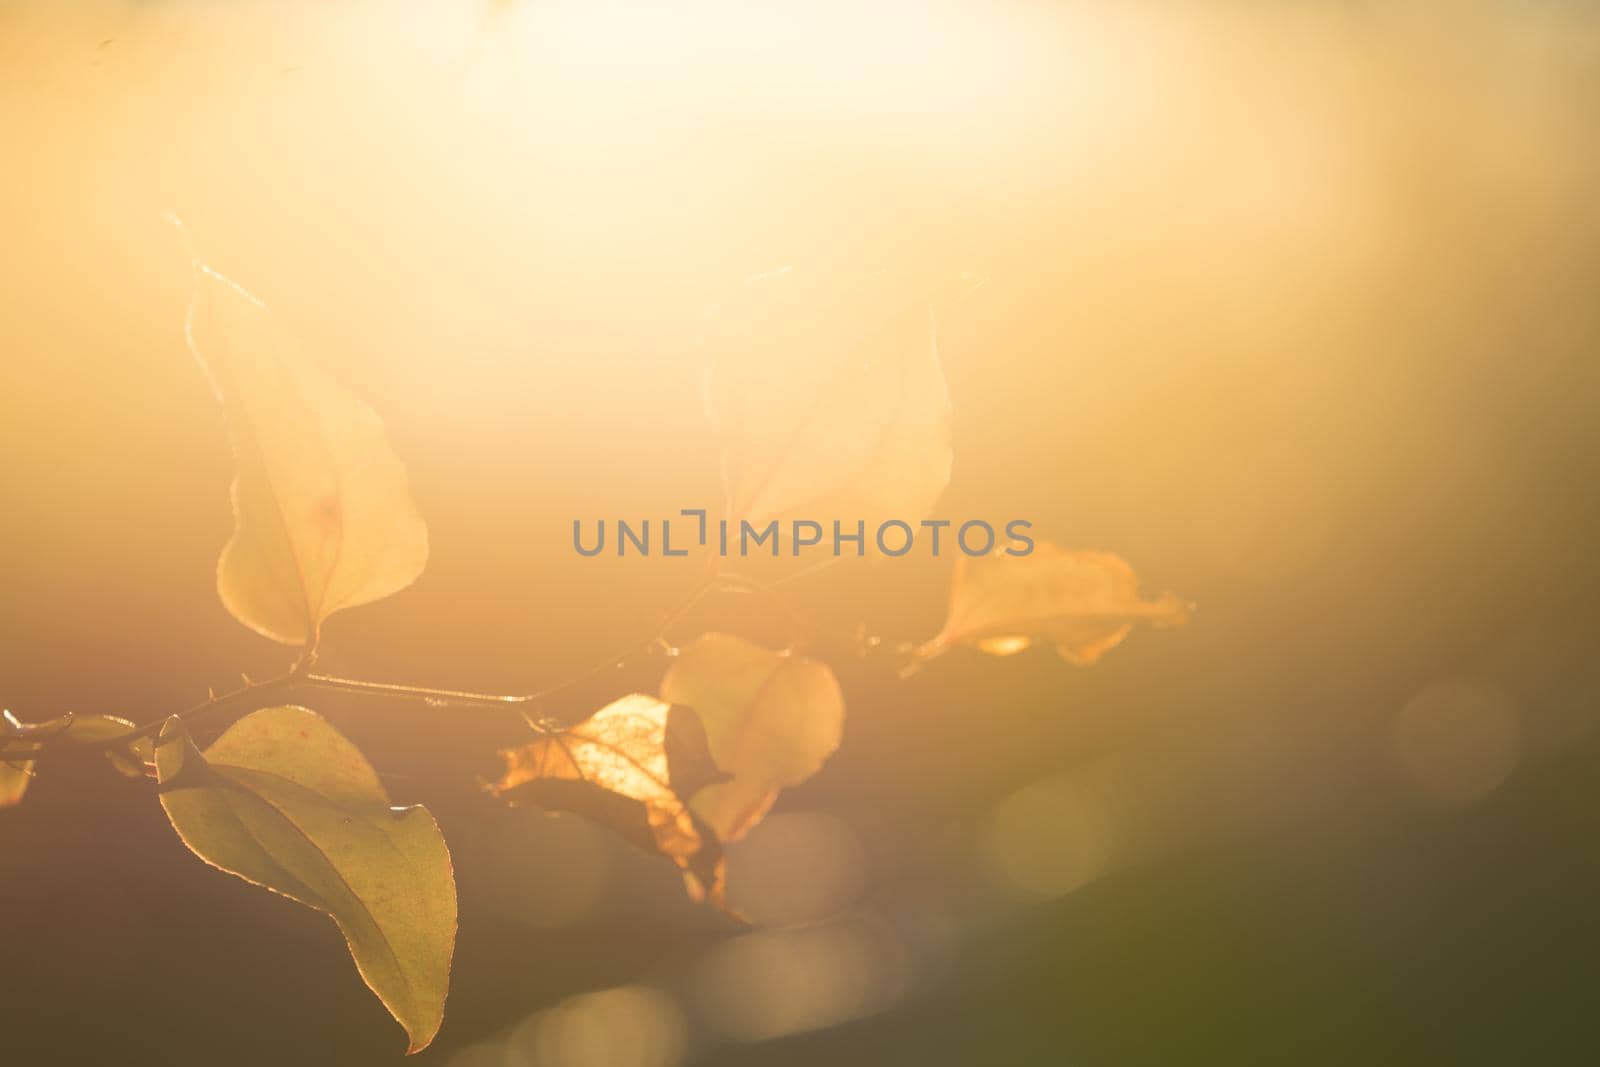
x=830, y=406
x=1084, y=603
x=15, y=777
x=285, y=802
x=19, y=743
x=132, y=758
x=630, y=766
x=96, y=729
x=772, y=720
x=16, y=734
x=323, y=515
x=136, y=759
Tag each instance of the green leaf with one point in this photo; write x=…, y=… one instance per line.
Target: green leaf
x=136, y=759
x=16, y=734
x=323, y=515
x=131, y=758
x=15, y=777
x=19, y=743
x=285, y=802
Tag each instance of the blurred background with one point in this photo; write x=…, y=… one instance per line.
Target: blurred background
x=1292, y=305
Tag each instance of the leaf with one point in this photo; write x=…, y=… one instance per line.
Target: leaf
x=286, y=803
x=829, y=408
x=1082, y=602
x=772, y=719
x=97, y=729
x=323, y=515
x=15, y=777
x=19, y=743
x=131, y=758
x=630, y=766
x=18, y=739
x=16, y=735
x=135, y=760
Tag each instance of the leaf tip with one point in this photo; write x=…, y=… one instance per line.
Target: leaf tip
x=420, y=1040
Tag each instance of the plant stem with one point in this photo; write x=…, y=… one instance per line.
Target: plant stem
x=301, y=677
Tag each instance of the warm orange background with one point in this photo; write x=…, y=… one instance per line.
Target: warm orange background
x=1293, y=306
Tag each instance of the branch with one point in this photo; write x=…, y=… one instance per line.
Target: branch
x=301, y=677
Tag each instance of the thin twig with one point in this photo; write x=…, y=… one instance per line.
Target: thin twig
x=301, y=677
x=739, y=583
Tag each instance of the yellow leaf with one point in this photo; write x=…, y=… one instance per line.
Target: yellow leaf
x=96, y=729
x=131, y=758
x=829, y=407
x=773, y=719
x=136, y=760
x=285, y=802
x=16, y=734
x=323, y=515
x=630, y=766
x=19, y=743
x=15, y=776
x=1084, y=603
